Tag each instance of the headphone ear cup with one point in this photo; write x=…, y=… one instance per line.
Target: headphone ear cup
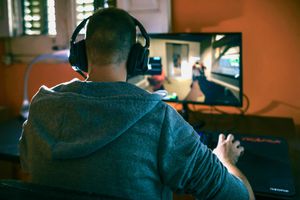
x=137, y=62
x=78, y=56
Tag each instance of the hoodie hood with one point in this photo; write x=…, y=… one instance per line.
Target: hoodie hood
x=77, y=118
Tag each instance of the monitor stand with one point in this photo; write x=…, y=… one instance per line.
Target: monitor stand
x=184, y=112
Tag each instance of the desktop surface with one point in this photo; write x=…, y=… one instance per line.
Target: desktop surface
x=10, y=132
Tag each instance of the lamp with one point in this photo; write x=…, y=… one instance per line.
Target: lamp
x=62, y=55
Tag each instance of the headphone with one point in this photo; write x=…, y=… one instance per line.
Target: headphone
x=137, y=62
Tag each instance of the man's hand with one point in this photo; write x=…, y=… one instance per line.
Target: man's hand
x=228, y=150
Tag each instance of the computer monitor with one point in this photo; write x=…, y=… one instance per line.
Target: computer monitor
x=199, y=68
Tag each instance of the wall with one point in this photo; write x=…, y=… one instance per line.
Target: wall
x=12, y=77
x=48, y=74
x=271, y=46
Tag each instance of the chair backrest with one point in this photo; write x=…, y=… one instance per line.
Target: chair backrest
x=16, y=189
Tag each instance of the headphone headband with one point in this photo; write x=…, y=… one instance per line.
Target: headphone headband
x=143, y=31
x=136, y=22
x=77, y=30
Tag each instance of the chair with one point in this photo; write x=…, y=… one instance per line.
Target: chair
x=16, y=189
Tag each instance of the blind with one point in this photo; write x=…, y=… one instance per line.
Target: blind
x=85, y=8
x=39, y=17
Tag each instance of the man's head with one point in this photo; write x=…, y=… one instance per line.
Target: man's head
x=110, y=35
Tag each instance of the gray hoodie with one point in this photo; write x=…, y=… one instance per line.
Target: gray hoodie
x=118, y=140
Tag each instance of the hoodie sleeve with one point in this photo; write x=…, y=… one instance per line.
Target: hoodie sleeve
x=187, y=166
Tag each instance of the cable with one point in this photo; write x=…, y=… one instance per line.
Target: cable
x=247, y=104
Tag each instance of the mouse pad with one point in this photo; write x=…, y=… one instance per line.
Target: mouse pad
x=265, y=163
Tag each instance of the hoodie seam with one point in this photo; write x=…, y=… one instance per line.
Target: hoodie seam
x=76, y=83
x=159, y=144
x=127, y=97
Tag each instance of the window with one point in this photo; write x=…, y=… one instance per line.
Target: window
x=85, y=8
x=48, y=24
x=39, y=17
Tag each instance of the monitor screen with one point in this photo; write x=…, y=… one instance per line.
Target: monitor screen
x=201, y=68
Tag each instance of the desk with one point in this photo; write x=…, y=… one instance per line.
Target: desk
x=10, y=132
x=247, y=124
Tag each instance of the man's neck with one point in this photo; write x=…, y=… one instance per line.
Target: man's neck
x=108, y=73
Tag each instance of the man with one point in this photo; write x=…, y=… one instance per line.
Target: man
x=107, y=136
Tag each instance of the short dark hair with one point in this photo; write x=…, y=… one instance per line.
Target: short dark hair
x=110, y=34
